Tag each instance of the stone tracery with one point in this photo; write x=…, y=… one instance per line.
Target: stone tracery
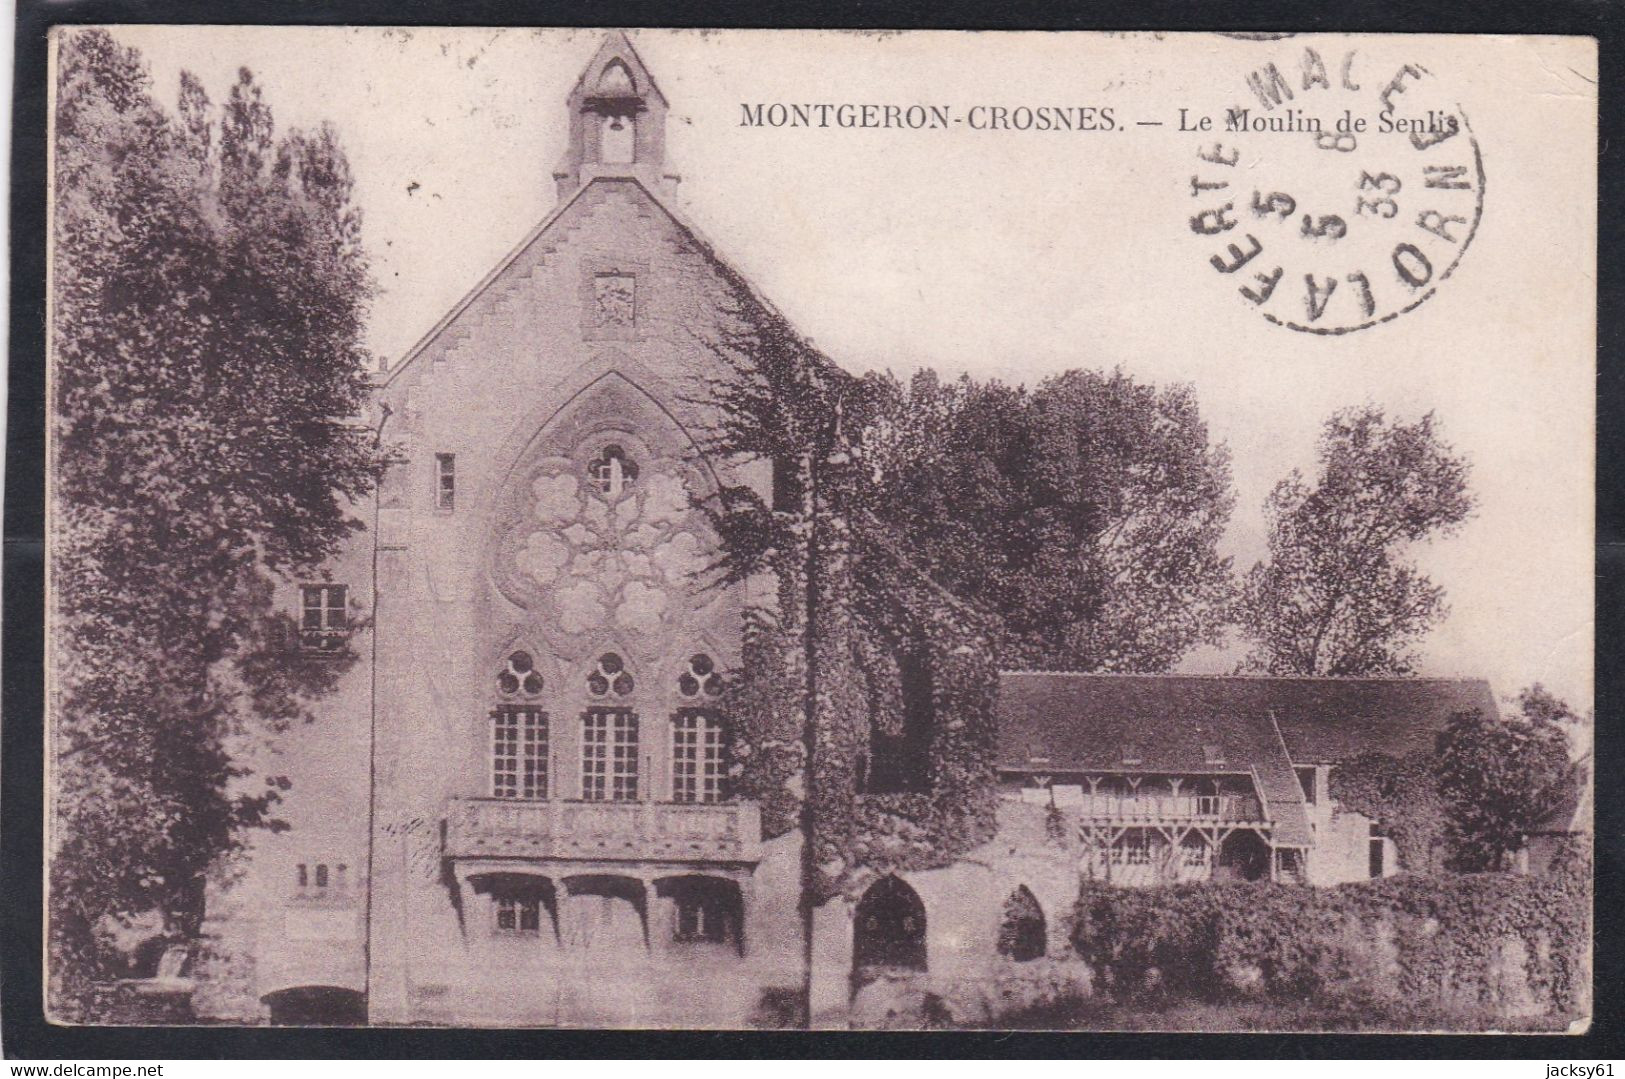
x=612, y=543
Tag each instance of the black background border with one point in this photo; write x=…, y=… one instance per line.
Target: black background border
x=23, y=1031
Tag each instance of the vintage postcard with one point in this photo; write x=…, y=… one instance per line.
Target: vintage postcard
x=747, y=529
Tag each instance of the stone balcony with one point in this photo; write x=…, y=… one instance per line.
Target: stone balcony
x=603, y=831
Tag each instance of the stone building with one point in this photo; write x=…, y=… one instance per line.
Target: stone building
x=1173, y=778
x=512, y=809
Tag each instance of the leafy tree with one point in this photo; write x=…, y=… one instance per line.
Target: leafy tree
x=1083, y=514
x=209, y=290
x=860, y=653
x=1336, y=595
x=1499, y=777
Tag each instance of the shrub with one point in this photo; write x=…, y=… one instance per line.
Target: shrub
x=1445, y=942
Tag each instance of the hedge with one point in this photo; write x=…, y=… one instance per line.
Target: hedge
x=1440, y=942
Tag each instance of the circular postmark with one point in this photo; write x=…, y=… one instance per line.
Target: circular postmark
x=1337, y=194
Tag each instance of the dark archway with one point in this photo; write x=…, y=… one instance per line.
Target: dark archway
x=317, y=1006
x=707, y=913
x=522, y=904
x=603, y=912
x=1242, y=856
x=888, y=932
x=1023, y=934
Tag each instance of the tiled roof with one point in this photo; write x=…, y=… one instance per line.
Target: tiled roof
x=1326, y=720
x=1173, y=723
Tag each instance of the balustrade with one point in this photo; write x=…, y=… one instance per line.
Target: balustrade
x=633, y=831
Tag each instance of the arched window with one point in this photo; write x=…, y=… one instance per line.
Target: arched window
x=1022, y=932
x=518, y=731
x=605, y=913
x=696, y=757
x=697, y=735
x=889, y=928
x=609, y=735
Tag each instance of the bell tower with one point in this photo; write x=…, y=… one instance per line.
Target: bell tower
x=617, y=123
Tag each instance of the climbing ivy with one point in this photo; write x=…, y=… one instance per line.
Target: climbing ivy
x=1402, y=795
x=819, y=539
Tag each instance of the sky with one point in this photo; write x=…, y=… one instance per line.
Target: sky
x=1017, y=255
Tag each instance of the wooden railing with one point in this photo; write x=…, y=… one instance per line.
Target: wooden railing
x=603, y=831
x=1159, y=809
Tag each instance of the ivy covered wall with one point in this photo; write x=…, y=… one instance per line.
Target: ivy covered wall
x=895, y=675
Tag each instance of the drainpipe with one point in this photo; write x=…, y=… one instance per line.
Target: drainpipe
x=372, y=719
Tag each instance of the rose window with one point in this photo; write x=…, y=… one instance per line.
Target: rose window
x=700, y=675
x=519, y=676
x=611, y=674
x=616, y=542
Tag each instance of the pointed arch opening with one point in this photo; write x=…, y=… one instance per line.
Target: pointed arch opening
x=616, y=80
x=888, y=930
x=1023, y=932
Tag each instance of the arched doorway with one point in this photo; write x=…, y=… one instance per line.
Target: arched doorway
x=888, y=932
x=1242, y=856
x=317, y=1006
x=1023, y=935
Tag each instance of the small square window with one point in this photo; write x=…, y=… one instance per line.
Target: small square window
x=700, y=920
x=1213, y=754
x=445, y=482
x=321, y=876
x=324, y=622
x=519, y=915
x=1131, y=754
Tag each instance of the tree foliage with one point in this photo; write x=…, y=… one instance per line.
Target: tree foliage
x=859, y=637
x=1336, y=595
x=209, y=292
x=1500, y=776
x=1083, y=515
